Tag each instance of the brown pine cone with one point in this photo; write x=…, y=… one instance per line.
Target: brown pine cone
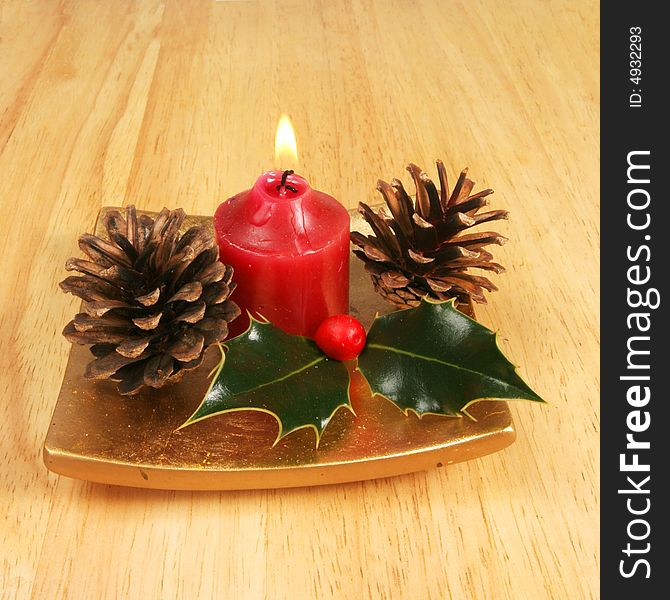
x=424, y=248
x=154, y=300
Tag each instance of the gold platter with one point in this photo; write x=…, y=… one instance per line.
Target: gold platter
x=97, y=435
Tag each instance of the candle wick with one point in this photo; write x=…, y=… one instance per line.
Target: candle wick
x=283, y=183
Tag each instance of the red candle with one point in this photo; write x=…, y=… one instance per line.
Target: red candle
x=289, y=246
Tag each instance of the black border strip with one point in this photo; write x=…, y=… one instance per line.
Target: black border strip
x=634, y=266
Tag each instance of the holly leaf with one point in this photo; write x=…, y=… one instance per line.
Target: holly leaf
x=434, y=359
x=285, y=375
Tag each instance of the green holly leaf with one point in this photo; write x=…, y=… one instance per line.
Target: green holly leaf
x=434, y=359
x=285, y=375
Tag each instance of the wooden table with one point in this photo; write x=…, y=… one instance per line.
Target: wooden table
x=176, y=103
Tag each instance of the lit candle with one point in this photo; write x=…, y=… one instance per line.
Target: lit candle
x=289, y=246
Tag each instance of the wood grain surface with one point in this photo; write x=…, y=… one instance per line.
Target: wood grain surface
x=175, y=103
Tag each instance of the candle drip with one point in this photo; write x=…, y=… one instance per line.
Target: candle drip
x=283, y=183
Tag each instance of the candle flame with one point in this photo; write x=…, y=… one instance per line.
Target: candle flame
x=286, y=149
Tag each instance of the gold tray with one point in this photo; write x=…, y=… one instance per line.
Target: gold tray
x=98, y=435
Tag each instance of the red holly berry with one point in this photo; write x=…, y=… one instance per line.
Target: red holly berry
x=341, y=337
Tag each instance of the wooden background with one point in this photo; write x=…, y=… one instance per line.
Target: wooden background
x=175, y=103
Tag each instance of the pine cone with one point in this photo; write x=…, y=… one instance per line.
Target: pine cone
x=153, y=300
x=422, y=250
